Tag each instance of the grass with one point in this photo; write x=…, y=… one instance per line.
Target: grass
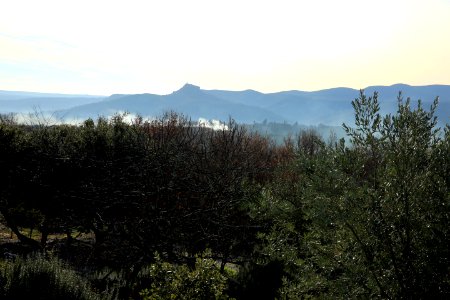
x=37, y=277
x=7, y=236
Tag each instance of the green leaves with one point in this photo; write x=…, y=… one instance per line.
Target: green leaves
x=387, y=210
x=170, y=281
x=367, y=120
x=378, y=212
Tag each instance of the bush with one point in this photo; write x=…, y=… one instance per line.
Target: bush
x=171, y=281
x=38, y=278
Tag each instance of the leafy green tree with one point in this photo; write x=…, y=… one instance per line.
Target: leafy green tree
x=379, y=211
x=281, y=208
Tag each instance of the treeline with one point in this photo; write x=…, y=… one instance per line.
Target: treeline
x=172, y=206
x=279, y=132
x=161, y=186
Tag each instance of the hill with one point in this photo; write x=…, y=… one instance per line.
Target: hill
x=330, y=106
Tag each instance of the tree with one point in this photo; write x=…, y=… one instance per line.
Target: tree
x=380, y=210
x=13, y=200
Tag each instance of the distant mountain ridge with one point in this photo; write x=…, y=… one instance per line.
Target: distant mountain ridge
x=328, y=106
x=29, y=102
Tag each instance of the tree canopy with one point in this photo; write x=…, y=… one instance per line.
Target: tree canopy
x=307, y=219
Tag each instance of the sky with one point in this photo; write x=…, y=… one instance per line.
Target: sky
x=105, y=47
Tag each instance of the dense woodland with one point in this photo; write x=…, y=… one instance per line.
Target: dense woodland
x=165, y=209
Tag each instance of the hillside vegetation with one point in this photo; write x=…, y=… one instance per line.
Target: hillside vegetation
x=166, y=209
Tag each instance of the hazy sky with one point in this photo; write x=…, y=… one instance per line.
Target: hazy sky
x=131, y=46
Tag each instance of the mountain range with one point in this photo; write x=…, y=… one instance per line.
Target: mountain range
x=329, y=106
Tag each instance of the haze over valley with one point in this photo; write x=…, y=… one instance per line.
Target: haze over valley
x=328, y=107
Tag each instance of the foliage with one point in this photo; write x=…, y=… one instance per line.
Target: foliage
x=38, y=278
x=307, y=219
x=169, y=281
x=379, y=211
x=367, y=221
x=140, y=187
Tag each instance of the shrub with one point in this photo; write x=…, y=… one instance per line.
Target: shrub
x=171, y=281
x=39, y=278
